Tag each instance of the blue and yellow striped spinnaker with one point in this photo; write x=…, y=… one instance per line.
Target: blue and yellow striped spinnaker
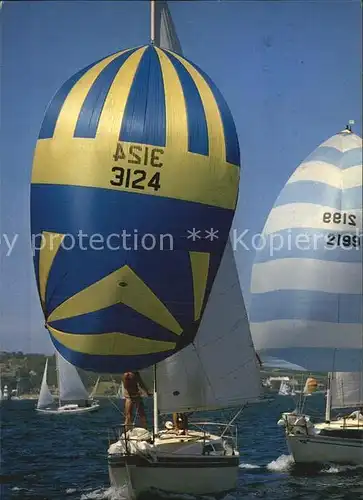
x=306, y=302
x=137, y=161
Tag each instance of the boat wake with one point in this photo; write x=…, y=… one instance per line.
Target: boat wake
x=122, y=494
x=283, y=463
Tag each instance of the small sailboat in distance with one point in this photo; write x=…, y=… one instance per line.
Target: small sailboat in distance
x=73, y=396
x=307, y=303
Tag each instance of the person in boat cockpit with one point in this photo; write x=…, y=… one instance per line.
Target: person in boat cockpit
x=134, y=389
x=180, y=421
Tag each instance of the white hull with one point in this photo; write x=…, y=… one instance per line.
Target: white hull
x=176, y=464
x=64, y=410
x=339, y=442
x=316, y=449
x=192, y=478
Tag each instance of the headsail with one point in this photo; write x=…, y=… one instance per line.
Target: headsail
x=136, y=159
x=45, y=396
x=220, y=368
x=306, y=305
x=346, y=389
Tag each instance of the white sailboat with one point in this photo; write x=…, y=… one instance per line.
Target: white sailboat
x=284, y=389
x=5, y=393
x=219, y=370
x=307, y=303
x=71, y=390
x=337, y=440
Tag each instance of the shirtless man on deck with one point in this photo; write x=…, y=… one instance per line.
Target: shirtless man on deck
x=133, y=389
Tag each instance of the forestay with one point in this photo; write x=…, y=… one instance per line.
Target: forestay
x=165, y=32
x=45, y=396
x=306, y=305
x=220, y=368
x=71, y=387
x=346, y=389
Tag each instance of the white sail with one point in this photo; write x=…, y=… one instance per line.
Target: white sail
x=306, y=302
x=346, y=389
x=45, y=396
x=220, y=369
x=71, y=387
x=165, y=33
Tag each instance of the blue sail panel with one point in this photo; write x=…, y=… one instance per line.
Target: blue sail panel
x=306, y=289
x=132, y=201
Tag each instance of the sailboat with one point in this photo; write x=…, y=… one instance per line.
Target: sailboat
x=175, y=171
x=218, y=371
x=307, y=303
x=71, y=390
x=284, y=389
x=5, y=396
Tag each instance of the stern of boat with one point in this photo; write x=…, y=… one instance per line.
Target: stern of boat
x=198, y=463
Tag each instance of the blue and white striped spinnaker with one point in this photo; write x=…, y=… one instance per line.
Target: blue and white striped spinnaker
x=306, y=290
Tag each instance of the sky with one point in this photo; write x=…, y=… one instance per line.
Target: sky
x=290, y=72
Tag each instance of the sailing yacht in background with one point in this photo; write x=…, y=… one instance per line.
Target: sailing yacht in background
x=70, y=388
x=307, y=303
x=285, y=389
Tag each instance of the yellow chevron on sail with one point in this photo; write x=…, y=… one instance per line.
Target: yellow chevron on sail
x=120, y=287
x=49, y=248
x=110, y=344
x=200, y=266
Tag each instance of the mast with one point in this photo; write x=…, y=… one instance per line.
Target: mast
x=328, y=399
x=155, y=396
x=152, y=20
x=57, y=372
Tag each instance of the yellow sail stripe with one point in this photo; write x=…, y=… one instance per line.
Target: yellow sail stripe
x=108, y=130
x=110, y=344
x=183, y=176
x=49, y=247
x=217, y=147
x=200, y=267
x=69, y=113
x=176, y=112
x=120, y=287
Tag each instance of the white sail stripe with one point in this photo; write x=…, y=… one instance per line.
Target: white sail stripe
x=329, y=174
x=306, y=216
x=287, y=334
x=343, y=142
x=307, y=274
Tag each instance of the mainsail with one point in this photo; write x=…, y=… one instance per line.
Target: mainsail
x=45, y=396
x=346, y=389
x=306, y=305
x=220, y=368
x=138, y=154
x=71, y=387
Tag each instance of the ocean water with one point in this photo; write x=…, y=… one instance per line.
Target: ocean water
x=64, y=457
